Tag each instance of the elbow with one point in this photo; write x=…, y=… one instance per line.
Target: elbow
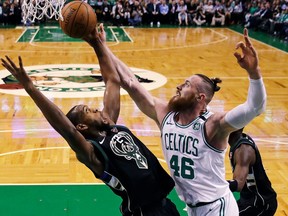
x=260, y=109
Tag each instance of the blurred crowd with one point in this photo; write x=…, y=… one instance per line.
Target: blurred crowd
x=268, y=16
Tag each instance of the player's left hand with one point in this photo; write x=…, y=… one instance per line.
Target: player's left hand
x=249, y=58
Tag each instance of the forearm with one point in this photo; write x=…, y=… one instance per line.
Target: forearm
x=52, y=113
x=239, y=179
x=128, y=81
x=107, y=66
x=143, y=99
x=255, y=104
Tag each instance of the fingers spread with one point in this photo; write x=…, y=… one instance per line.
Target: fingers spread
x=11, y=62
x=20, y=62
x=6, y=65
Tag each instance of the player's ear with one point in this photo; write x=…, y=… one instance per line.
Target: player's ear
x=200, y=97
x=81, y=127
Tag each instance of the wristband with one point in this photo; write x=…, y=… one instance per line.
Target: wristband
x=233, y=185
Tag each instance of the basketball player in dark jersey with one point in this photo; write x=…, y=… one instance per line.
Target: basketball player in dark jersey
x=257, y=196
x=110, y=151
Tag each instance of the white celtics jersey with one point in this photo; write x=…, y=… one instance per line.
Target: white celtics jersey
x=197, y=168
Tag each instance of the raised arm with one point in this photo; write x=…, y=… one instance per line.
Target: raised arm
x=56, y=118
x=149, y=105
x=255, y=104
x=109, y=74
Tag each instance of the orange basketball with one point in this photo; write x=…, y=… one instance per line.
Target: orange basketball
x=79, y=19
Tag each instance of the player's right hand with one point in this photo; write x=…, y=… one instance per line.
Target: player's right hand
x=18, y=72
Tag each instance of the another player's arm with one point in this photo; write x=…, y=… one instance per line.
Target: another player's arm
x=244, y=157
x=255, y=104
x=109, y=74
x=149, y=105
x=57, y=119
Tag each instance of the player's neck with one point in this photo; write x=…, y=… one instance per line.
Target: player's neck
x=185, y=117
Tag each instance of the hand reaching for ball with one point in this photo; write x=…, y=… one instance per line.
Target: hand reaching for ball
x=96, y=36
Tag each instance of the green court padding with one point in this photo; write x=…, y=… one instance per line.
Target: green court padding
x=60, y=200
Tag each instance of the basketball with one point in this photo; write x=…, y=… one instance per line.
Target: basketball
x=79, y=19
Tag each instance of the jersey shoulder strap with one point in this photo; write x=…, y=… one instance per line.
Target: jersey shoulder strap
x=99, y=149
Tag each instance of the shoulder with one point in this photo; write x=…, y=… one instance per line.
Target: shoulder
x=217, y=131
x=245, y=154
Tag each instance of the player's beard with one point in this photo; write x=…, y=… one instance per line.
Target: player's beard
x=178, y=104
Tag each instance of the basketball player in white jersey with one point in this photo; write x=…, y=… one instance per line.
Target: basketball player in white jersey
x=194, y=140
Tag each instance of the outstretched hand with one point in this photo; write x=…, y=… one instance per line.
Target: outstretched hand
x=18, y=72
x=96, y=35
x=249, y=58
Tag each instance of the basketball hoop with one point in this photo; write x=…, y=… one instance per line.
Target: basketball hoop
x=37, y=9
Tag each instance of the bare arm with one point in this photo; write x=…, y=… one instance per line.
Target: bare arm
x=109, y=74
x=149, y=105
x=244, y=157
x=56, y=118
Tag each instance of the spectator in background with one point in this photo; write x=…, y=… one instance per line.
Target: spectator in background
x=6, y=11
x=173, y=12
x=97, y=10
x=127, y=11
x=106, y=11
x=252, y=8
x=153, y=13
x=237, y=13
x=17, y=11
x=11, y=14
x=200, y=17
x=118, y=14
x=191, y=9
x=219, y=14
x=229, y=6
x=280, y=17
x=164, y=12
x=145, y=19
x=136, y=15
x=261, y=18
x=182, y=13
x=281, y=25
x=209, y=11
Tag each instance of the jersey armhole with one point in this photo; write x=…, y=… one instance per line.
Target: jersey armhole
x=103, y=154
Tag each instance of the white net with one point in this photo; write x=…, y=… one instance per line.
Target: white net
x=37, y=9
